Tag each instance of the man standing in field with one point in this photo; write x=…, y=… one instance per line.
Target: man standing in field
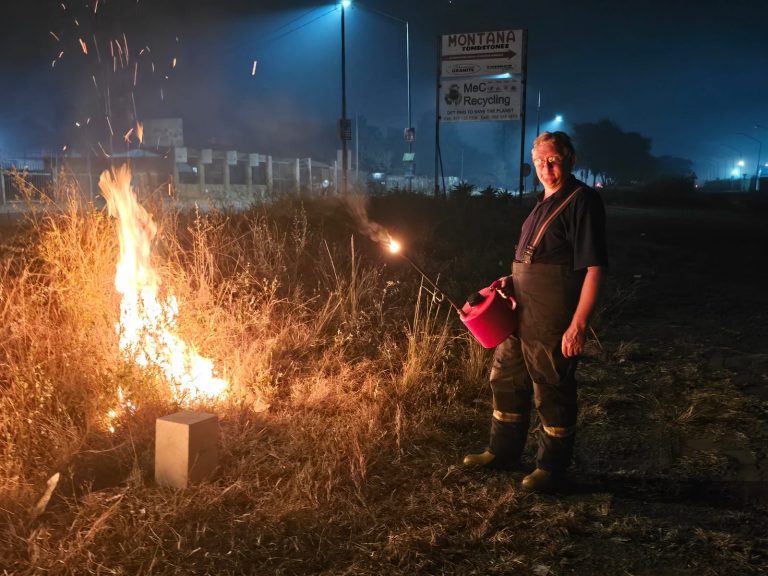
x=559, y=268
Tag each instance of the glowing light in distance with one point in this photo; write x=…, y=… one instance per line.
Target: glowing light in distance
x=346, y=3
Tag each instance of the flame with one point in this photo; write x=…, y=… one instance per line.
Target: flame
x=147, y=322
x=140, y=132
x=394, y=245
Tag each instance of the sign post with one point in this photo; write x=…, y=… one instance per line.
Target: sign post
x=482, y=76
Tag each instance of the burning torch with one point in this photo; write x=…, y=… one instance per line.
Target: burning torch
x=488, y=314
x=395, y=247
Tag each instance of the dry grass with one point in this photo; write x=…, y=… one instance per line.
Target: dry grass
x=353, y=396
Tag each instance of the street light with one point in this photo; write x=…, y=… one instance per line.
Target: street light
x=345, y=129
x=757, y=167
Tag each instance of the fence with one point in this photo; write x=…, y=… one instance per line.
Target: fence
x=203, y=177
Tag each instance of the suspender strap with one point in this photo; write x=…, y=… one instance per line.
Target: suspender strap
x=548, y=221
x=531, y=248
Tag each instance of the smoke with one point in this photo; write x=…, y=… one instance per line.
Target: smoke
x=357, y=207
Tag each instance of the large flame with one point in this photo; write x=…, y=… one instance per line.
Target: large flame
x=147, y=322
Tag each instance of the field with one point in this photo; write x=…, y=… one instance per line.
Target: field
x=354, y=395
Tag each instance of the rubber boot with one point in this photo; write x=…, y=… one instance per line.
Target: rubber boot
x=504, y=449
x=552, y=460
x=554, y=453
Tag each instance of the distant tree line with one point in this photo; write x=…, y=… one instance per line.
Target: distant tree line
x=618, y=157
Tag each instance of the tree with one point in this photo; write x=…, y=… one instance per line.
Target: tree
x=673, y=166
x=617, y=157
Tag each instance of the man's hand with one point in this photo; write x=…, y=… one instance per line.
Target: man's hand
x=573, y=340
x=576, y=334
x=505, y=287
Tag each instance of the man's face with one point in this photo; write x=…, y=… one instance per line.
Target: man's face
x=552, y=167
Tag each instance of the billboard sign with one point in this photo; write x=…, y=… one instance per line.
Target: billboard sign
x=479, y=99
x=482, y=53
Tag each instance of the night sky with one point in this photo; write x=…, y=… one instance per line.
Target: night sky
x=688, y=75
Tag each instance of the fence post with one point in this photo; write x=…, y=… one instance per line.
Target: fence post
x=201, y=173
x=2, y=182
x=249, y=176
x=297, y=176
x=174, y=191
x=89, y=167
x=309, y=169
x=270, y=181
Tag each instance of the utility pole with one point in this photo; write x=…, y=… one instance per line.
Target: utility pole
x=345, y=130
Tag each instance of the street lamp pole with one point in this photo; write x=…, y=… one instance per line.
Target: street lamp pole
x=409, y=133
x=538, y=126
x=344, y=127
x=759, y=151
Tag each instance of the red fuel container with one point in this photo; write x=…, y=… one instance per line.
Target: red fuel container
x=492, y=320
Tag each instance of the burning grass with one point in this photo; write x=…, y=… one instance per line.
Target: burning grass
x=351, y=396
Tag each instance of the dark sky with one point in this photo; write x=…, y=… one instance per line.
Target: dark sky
x=689, y=75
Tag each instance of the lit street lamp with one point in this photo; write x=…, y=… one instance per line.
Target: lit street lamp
x=757, y=166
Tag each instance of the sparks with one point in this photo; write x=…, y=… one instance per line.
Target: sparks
x=173, y=64
x=54, y=35
x=140, y=132
x=253, y=70
x=83, y=46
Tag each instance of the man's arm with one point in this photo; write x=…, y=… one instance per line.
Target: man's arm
x=576, y=334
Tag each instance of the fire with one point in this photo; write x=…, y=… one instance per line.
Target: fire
x=147, y=322
x=394, y=246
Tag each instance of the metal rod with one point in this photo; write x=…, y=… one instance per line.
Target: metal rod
x=432, y=284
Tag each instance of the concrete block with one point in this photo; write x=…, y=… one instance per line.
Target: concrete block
x=185, y=448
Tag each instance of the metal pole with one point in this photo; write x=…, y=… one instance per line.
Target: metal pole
x=522, y=112
x=342, y=128
x=408, y=89
x=434, y=286
x=759, y=151
x=408, y=73
x=437, y=113
x=538, y=124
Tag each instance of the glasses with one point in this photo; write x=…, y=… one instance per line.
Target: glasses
x=549, y=161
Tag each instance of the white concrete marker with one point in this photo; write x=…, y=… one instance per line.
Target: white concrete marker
x=185, y=448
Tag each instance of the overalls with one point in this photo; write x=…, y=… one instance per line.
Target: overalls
x=531, y=363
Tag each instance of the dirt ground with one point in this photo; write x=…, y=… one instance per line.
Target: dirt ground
x=671, y=473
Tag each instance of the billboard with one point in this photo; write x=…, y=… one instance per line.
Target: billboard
x=482, y=53
x=479, y=99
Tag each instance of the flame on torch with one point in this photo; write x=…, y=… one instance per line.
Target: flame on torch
x=395, y=248
x=147, y=322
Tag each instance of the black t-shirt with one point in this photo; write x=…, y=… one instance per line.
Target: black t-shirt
x=576, y=237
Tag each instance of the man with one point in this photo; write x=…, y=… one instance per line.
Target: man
x=559, y=268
